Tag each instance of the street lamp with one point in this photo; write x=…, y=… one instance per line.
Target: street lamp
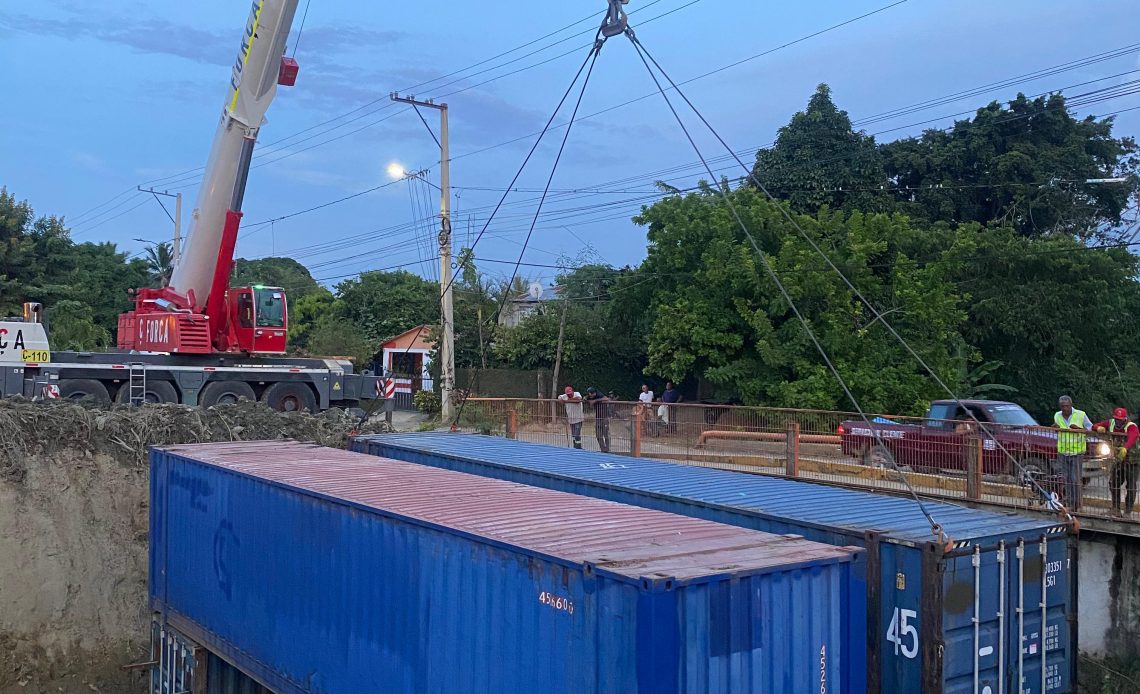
x=396, y=170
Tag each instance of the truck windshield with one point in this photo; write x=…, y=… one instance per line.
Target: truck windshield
x=270, y=308
x=1012, y=414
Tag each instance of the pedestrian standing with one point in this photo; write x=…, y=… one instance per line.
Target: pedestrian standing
x=1125, y=466
x=573, y=404
x=602, y=412
x=669, y=397
x=1071, y=447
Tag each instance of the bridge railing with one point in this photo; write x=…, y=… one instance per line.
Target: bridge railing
x=1008, y=465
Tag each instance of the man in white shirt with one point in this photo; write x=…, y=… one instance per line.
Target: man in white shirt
x=572, y=400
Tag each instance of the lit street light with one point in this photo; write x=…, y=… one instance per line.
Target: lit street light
x=396, y=170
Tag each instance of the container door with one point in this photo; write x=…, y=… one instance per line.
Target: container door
x=1039, y=602
x=973, y=623
x=175, y=659
x=899, y=628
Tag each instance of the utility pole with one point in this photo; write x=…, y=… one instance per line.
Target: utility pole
x=447, y=344
x=176, y=249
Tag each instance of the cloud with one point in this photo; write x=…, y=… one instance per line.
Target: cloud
x=90, y=162
x=154, y=36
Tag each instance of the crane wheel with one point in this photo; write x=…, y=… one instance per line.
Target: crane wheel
x=225, y=393
x=156, y=392
x=83, y=389
x=290, y=397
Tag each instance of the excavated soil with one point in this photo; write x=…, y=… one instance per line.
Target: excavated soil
x=73, y=530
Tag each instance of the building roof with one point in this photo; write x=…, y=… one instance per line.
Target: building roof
x=412, y=338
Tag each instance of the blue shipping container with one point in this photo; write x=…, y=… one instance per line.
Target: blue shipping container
x=320, y=570
x=938, y=620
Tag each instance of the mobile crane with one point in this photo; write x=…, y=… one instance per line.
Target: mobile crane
x=198, y=341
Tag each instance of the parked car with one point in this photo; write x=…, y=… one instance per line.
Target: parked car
x=945, y=437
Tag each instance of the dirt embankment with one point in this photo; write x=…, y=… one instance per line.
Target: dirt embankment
x=73, y=531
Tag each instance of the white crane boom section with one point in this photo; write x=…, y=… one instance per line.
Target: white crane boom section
x=253, y=84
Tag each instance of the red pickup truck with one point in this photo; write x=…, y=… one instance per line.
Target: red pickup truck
x=944, y=439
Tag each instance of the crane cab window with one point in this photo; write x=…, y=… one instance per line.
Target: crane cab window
x=270, y=307
x=245, y=310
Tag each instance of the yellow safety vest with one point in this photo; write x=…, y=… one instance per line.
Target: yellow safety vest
x=1112, y=426
x=1070, y=442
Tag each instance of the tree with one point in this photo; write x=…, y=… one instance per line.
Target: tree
x=70, y=327
x=1060, y=318
x=1024, y=164
x=384, y=304
x=818, y=160
x=718, y=316
x=305, y=313
x=336, y=337
x=160, y=263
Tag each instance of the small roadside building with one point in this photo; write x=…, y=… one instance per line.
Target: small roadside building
x=406, y=358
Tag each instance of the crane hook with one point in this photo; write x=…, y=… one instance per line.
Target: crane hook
x=616, y=20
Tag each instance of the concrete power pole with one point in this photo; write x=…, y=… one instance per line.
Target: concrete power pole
x=447, y=341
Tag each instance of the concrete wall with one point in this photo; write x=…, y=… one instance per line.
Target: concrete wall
x=1109, y=591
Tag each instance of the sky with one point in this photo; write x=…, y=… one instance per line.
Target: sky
x=104, y=97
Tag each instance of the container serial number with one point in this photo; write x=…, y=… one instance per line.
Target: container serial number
x=556, y=601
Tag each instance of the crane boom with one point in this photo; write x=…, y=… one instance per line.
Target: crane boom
x=253, y=84
x=198, y=313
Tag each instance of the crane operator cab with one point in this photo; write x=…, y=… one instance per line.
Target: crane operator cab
x=259, y=319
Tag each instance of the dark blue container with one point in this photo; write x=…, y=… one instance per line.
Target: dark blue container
x=939, y=619
x=319, y=570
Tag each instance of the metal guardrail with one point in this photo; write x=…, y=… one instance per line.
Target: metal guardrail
x=949, y=459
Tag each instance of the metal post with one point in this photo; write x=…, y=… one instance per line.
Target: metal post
x=1020, y=615
x=792, y=448
x=638, y=422
x=1001, y=617
x=974, y=468
x=1044, y=607
x=976, y=561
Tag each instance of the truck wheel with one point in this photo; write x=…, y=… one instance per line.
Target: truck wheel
x=290, y=397
x=225, y=393
x=84, y=388
x=156, y=392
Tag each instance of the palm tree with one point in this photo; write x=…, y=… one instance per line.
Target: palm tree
x=160, y=263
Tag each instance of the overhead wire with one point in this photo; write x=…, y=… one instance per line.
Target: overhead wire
x=936, y=529
x=854, y=290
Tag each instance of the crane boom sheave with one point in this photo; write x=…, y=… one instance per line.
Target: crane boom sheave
x=253, y=84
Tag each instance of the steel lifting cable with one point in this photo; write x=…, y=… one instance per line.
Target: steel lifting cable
x=595, y=50
x=935, y=528
x=1048, y=498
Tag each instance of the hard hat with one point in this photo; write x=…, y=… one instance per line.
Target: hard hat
x=1120, y=413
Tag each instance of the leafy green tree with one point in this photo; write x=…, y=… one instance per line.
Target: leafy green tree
x=819, y=159
x=718, y=316
x=70, y=327
x=1060, y=318
x=1024, y=165
x=304, y=314
x=337, y=337
x=384, y=304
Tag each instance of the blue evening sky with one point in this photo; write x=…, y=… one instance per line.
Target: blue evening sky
x=101, y=97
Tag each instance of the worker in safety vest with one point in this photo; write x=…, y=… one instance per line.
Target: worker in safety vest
x=1071, y=447
x=1125, y=468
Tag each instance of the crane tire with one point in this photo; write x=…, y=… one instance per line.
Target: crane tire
x=290, y=397
x=83, y=389
x=225, y=393
x=156, y=392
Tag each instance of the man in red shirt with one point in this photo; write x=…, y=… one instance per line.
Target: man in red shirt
x=1125, y=468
